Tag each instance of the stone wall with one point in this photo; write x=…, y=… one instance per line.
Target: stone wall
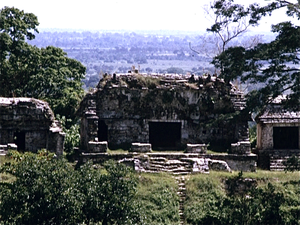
x=199, y=110
x=30, y=124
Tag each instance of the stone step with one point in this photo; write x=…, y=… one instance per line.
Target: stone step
x=182, y=189
x=162, y=159
x=277, y=164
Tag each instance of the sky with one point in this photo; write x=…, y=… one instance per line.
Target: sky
x=181, y=15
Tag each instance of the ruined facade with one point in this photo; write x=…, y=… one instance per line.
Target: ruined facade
x=30, y=124
x=278, y=129
x=278, y=135
x=168, y=111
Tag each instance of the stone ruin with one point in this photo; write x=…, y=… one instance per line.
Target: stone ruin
x=142, y=112
x=168, y=112
x=278, y=135
x=28, y=124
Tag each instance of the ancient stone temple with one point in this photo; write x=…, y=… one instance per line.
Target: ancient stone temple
x=278, y=135
x=167, y=111
x=29, y=124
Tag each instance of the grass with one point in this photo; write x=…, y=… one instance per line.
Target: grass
x=117, y=151
x=157, y=197
x=205, y=193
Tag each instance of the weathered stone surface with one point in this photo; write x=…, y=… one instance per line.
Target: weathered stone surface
x=12, y=146
x=141, y=147
x=218, y=165
x=98, y=146
x=241, y=148
x=196, y=148
x=180, y=163
x=278, y=135
x=129, y=108
x=30, y=124
x=200, y=165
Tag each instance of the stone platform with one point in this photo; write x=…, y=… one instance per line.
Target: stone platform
x=178, y=163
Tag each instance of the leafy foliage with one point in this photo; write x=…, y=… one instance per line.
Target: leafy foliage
x=292, y=164
x=28, y=71
x=272, y=67
x=208, y=202
x=72, y=137
x=47, y=190
x=44, y=192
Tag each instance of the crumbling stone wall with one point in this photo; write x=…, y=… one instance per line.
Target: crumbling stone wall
x=205, y=109
x=30, y=124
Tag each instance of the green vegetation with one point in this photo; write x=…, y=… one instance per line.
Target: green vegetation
x=270, y=66
x=158, y=199
x=45, y=190
x=292, y=164
x=72, y=137
x=147, y=81
x=42, y=73
x=273, y=199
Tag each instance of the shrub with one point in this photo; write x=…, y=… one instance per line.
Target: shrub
x=47, y=190
x=292, y=164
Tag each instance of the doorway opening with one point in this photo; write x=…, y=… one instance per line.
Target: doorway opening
x=19, y=140
x=165, y=135
x=286, y=137
x=102, y=131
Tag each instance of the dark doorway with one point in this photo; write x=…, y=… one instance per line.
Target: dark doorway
x=102, y=131
x=165, y=135
x=286, y=137
x=19, y=139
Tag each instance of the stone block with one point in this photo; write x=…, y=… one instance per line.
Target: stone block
x=141, y=147
x=196, y=148
x=241, y=148
x=96, y=146
x=3, y=147
x=12, y=146
x=218, y=165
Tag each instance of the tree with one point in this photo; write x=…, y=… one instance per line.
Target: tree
x=44, y=191
x=272, y=67
x=28, y=71
x=225, y=29
x=109, y=196
x=48, y=190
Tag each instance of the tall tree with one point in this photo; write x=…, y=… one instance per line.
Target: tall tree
x=271, y=67
x=226, y=29
x=28, y=71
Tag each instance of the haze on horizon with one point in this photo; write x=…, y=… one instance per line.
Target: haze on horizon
x=187, y=15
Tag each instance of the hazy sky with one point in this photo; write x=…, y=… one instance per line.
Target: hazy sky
x=186, y=15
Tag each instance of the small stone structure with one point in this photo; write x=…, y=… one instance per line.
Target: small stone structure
x=29, y=123
x=97, y=146
x=241, y=148
x=140, y=147
x=196, y=148
x=168, y=111
x=278, y=135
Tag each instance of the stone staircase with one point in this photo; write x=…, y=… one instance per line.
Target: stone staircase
x=279, y=157
x=161, y=164
x=182, y=196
